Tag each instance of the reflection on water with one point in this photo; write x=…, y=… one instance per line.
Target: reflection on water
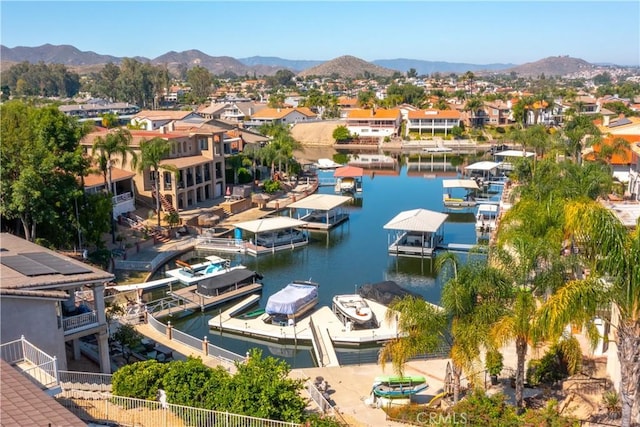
x=353, y=254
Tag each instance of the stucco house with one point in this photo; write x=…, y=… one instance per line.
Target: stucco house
x=52, y=300
x=375, y=122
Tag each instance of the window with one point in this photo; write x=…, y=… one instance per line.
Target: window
x=204, y=143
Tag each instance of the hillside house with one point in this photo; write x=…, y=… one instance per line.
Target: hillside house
x=52, y=299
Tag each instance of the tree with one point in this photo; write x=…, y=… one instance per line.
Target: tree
x=128, y=338
x=341, y=134
x=472, y=106
x=611, y=252
x=200, y=80
x=151, y=154
x=115, y=143
x=41, y=161
x=580, y=132
x=412, y=73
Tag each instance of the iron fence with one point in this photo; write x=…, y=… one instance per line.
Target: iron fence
x=148, y=413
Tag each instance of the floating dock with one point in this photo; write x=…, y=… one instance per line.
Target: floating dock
x=322, y=328
x=188, y=299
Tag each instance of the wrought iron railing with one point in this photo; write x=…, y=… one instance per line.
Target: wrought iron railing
x=128, y=411
x=89, y=381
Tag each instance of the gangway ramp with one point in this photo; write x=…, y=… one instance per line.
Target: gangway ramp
x=323, y=345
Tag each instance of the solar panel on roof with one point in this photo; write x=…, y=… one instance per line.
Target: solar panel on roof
x=26, y=266
x=620, y=122
x=60, y=265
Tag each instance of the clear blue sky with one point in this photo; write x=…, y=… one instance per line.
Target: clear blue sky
x=477, y=32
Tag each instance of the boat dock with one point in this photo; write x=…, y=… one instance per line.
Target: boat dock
x=462, y=247
x=329, y=330
x=187, y=299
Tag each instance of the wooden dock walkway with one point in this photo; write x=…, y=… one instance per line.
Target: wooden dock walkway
x=188, y=299
x=322, y=345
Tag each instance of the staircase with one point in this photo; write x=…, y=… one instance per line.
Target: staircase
x=166, y=205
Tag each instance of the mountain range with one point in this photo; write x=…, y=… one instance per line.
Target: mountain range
x=344, y=66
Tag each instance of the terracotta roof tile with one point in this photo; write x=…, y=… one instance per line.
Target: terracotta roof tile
x=434, y=114
x=379, y=114
x=24, y=404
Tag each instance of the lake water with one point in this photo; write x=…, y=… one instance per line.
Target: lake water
x=353, y=254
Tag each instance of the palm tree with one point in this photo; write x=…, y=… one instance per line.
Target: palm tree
x=612, y=253
x=473, y=298
x=151, y=154
x=421, y=329
x=114, y=143
x=473, y=105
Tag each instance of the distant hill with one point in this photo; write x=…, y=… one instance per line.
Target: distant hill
x=347, y=66
x=552, y=66
x=62, y=54
x=84, y=62
x=216, y=64
x=279, y=63
x=430, y=67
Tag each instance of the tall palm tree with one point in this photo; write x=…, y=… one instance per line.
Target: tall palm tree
x=151, y=154
x=421, y=329
x=612, y=254
x=473, y=298
x=116, y=143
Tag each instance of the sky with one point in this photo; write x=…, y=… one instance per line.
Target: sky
x=473, y=32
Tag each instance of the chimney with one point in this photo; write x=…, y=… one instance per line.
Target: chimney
x=605, y=121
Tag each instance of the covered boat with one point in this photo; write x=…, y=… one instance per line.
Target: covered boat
x=353, y=307
x=486, y=218
x=293, y=300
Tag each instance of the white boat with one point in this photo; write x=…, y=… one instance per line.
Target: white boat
x=345, y=185
x=467, y=189
x=280, y=237
x=327, y=164
x=213, y=276
x=486, y=218
x=353, y=307
x=292, y=301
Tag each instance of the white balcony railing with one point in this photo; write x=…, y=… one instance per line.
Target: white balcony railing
x=37, y=365
x=81, y=321
x=121, y=198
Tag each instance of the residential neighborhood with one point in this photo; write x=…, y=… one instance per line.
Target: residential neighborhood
x=106, y=189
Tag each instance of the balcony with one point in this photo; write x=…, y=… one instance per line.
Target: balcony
x=80, y=322
x=34, y=363
x=122, y=203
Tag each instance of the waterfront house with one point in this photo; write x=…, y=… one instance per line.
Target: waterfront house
x=197, y=152
x=374, y=122
x=52, y=300
x=432, y=121
x=286, y=116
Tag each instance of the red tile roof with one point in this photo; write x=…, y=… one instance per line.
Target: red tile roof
x=24, y=404
x=379, y=113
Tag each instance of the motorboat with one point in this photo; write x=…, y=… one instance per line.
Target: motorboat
x=292, y=301
x=346, y=184
x=213, y=276
x=353, y=307
x=324, y=164
x=486, y=218
x=399, y=387
x=280, y=237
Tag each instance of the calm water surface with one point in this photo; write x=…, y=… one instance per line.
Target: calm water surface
x=353, y=254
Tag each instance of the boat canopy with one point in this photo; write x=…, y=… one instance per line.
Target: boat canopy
x=234, y=277
x=460, y=183
x=348, y=172
x=270, y=224
x=485, y=207
x=422, y=220
x=514, y=153
x=320, y=202
x=291, y=298
x=484, y=166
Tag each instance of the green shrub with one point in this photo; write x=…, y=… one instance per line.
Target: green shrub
x=561, y=360
x=271, y=186
x=493, y=362
x=140, y=380
x=244, y=176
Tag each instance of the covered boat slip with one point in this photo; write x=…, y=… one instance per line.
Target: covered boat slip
x=293, y=301
x=467, y=189
x=486, y=218
x=322, y=211
x=415, y=233
x=348, y=179
x=274, y=234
